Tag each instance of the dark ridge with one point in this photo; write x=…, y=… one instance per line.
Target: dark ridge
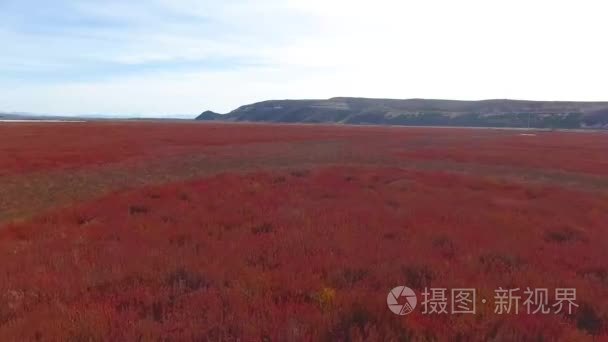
x=209, y=115
x=424, y=112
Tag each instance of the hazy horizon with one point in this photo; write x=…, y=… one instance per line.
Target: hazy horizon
x=194, y=115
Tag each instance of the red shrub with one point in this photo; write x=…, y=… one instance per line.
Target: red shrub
x=303, y=255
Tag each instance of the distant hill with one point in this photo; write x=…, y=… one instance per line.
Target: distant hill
x=422, y=112
x=10, y=116
x=34, y=117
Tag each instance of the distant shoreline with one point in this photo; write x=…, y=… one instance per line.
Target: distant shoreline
x=258, y=123
x=32, y=121
x=534, y=129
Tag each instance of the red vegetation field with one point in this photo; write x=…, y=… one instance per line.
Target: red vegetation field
x=166, y=231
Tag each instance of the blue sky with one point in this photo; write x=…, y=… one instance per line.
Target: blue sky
x=180, y=57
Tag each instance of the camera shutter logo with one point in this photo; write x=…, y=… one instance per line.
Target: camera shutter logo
x=408, y=300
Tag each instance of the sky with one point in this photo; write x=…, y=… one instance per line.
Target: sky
x=181, y=57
